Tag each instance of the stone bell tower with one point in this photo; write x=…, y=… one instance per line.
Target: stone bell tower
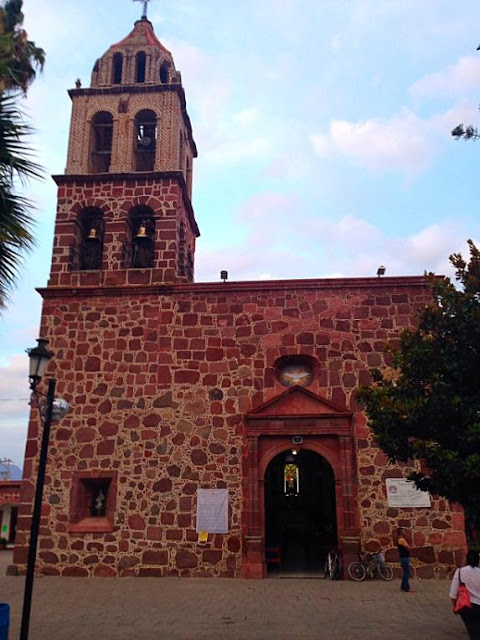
x=124, y=212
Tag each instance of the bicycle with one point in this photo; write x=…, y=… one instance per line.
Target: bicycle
x=370, y=565
x=332, y=565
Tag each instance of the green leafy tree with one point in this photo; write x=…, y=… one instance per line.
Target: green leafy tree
x=466, y=133
x=426, y=407
x=19, y=60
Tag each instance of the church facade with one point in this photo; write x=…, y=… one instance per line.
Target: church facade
x=213, y=428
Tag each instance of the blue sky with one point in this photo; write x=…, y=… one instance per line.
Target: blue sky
x=323, y=130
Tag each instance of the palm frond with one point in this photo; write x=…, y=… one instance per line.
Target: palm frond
x=15, y=154
x=15, y=237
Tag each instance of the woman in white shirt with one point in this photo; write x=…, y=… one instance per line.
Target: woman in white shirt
x=470, y=576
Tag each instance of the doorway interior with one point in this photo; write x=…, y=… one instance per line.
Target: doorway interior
x=300, y=513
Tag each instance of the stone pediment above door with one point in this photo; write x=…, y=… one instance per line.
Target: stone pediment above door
x=298, y=402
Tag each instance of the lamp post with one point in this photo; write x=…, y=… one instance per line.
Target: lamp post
x=51, y=409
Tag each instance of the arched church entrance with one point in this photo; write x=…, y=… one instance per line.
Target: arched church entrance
x=300, y=512
x=325, y=512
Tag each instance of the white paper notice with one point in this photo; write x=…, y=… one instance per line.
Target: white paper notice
x=212, y=510
x=404, y=493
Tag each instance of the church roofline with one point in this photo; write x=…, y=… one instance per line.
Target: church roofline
x=244, y=286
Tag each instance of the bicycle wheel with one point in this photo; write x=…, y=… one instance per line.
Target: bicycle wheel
x=385, y=571
x=356, y=571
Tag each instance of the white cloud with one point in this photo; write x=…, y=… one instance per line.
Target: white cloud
x=346, y=231
x=208, y=83
x=228, y=153
x=456, y=80
x=433, y=245
x=401, y=142
x=363, y=247
x=349, y=247
x=281, y=242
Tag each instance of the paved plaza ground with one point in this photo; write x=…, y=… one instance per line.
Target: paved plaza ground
x=225, y=609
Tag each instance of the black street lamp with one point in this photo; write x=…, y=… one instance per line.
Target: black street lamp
x=50, y=410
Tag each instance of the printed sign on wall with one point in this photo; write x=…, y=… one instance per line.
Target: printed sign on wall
x=403, y=493
x=212, y=510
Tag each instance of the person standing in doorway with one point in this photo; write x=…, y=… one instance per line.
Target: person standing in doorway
x=404, y=553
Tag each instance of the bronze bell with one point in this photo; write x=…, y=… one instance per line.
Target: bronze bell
x=92, y=234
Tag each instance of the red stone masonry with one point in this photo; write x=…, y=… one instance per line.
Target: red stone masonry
x=161, y=381
x=115, y=197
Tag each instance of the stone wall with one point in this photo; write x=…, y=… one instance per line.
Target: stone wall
x=159, y=381
x=9, y=492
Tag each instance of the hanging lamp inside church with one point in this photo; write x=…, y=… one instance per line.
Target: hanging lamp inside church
x=291, y=476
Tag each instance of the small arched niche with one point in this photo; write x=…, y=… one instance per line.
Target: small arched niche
x=296, y=370
x=141, y=244
x=145, y=140
x=101, y=140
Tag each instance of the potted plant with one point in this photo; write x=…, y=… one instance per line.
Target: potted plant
x=3, y=543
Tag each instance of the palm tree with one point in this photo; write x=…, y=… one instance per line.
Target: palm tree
x=19, y=56
x=19, y=60
x=15, y=216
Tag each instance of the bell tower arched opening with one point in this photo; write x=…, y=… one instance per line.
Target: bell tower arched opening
x=101, y=142
x=89, y=245
x=117, y=68
x=140, y=254
x=140, y=66
x=300, y=511
x=145, y=140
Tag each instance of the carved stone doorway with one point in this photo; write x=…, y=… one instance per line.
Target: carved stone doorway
x=301, y=419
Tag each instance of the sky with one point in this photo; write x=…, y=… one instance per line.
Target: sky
x=323, y=130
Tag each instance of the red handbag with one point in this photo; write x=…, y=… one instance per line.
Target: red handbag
x=463, y=597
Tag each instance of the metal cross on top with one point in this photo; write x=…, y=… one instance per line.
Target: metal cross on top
x=145, y=6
